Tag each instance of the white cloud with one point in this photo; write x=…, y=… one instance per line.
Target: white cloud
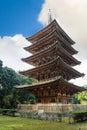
x=72, y=17
x=11, y=52
x=81, y=68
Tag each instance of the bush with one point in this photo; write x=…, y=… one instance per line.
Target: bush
x=59, y=117
x=10, y=112
x=80, y=116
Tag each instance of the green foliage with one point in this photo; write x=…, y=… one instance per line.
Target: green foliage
x=26, y=98
x=10, y=112
x=80, y=116
x=9, y=79
x=9, y=96
x=82, y=96
x=1, y=64
x=59, y=117
x=25, y=80
x=0, y=70
x=75, y=99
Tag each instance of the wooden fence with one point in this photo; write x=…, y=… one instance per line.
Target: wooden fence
x=54, y=108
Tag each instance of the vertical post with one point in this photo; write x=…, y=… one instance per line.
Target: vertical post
x=49, y=17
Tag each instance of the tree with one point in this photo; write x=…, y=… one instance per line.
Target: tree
x=9, y=96
x=75, y=99
x=9, y=79
x=81, y=96
x=1, y=64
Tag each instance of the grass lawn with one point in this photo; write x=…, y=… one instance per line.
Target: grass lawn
x=17, y=123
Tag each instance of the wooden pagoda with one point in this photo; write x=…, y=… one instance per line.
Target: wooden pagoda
x=53, y=60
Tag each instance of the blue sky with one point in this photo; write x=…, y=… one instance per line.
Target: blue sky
x=22, y=18
x=19, y=17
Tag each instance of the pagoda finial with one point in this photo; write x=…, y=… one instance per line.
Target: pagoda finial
x=49, y=17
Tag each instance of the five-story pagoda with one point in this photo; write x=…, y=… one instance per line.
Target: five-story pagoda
x=53, y=60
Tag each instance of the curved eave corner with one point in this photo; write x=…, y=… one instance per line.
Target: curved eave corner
x=59, y=79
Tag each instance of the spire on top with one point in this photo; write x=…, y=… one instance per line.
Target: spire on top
x=49, y=17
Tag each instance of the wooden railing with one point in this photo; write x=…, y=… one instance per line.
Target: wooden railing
x=65, y=108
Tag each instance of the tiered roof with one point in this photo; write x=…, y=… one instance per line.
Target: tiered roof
x=61, y=67
x=52, y=26
x=53, y=50
x=58, y=84
x=49, y=39
x=53, y=60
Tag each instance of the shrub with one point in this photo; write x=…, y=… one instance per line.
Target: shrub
x=59, y=117
x=80, y=116
x=10, y=112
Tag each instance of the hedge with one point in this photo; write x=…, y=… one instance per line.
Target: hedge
x=80, y=116
x=10, y=112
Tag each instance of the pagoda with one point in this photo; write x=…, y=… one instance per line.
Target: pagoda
x=53, y=61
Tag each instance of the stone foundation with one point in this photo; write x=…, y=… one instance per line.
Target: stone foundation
x=50, y=112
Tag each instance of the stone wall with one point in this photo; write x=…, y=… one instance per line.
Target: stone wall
x=51, y=112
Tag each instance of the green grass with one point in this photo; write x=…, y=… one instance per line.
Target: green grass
x=17, y=123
